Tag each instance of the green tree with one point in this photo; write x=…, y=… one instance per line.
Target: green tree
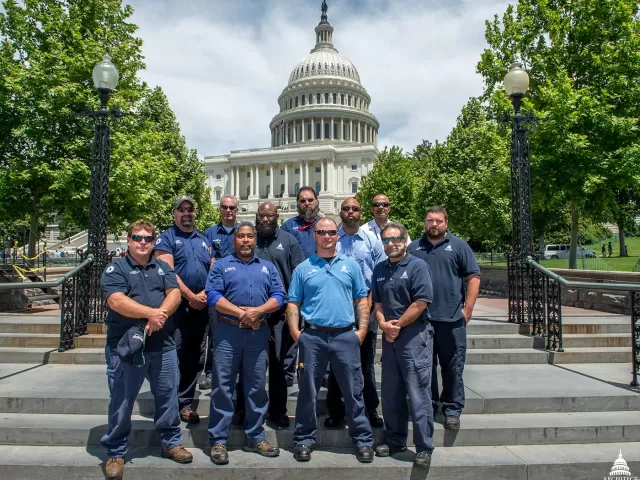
x=394, y=174
x=583, y=58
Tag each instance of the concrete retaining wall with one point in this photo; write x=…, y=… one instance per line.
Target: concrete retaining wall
x=494, y=283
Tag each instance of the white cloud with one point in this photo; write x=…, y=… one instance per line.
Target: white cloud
x=222, y=68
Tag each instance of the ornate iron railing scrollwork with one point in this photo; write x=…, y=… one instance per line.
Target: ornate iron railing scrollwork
x=538, y=307
x=554, y=315
x=635, y=337
x=73, y=305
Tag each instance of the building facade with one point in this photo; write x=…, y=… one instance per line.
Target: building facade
x=323, y=136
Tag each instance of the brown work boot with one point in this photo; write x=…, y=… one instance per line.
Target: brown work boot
x=263, y=448
x=189, y=416
x=114, y=468
x=219, y=454
x=178, y=454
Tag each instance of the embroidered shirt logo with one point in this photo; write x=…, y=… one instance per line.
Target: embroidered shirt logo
x=381, y=279
x=134, y=272
x=312, y=271
x=110, y=268
x=280, y=247
x=344, y=269
x=420, y=248
x=404, y=275
x=204, y=244
x=137, y=336
x=230, y=269
x=178, y=242
x=160, y=271
x=158, y=241
x=265, y=269
x=448, y=249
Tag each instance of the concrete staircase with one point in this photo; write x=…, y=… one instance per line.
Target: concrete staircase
x=529, y=414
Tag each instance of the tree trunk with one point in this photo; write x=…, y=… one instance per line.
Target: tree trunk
x=33, y=231
x=623, y=249
x=541, y=243
x=574, y=235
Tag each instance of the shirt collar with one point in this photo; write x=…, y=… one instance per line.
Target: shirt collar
x=182, y=233
x=402, y=263
x=360, y=233
x=234, y=258
x=315, y=259
x=447, y=237
x=221, y=228
x=133, y=264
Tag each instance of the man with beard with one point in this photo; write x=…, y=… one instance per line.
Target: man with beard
x=189, y=253
x=221, y=238
x=323, y=291
x=402, y=291
x=284, y=251
x=380, y=208
x=453, y=267
x=301, y=227
x=243, y=289
x=366, y=250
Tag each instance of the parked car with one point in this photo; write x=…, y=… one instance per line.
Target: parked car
x=561, y=250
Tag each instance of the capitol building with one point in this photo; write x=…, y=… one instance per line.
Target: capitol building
x=323, y=136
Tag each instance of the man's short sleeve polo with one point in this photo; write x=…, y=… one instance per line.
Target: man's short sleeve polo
x=113, y=280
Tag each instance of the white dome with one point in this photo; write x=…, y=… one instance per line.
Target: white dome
x=324, y=62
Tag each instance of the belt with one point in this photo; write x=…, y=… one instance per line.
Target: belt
x=313, y=326
x=234, y=323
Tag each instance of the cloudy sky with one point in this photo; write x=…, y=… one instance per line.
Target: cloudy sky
x=223, y=63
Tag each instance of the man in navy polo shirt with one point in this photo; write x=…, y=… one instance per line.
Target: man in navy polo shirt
x=141, y=291
x=284, y=251
x=456, y=278
x=221, y=238
x=243, y=289
x=189, y=253
x=302, y=226
x=402, y=291
x=323, y=290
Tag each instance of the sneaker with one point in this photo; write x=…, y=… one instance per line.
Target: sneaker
x=451, y=422
x=114, y=468
x=422, y=459
x=178, y=454
x=389, y=449
x=302, y=453
x=364, y=454
x=189, y=416
x=219, y=454
x=263, y=448
x=206, y=383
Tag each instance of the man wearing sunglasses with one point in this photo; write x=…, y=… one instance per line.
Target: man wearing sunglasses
x=221, y=238
x=189, y=253
x=402, y=291
x=380, y=208
x=243, y=289
x=302, y=226
x=323, y=291
x=141, y=290
x=366, y=250
x=455, y=290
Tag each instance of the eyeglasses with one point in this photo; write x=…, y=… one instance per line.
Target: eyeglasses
x=388, y=240
x=380, y=204
x=267, y=215
x=306, y=200
x=186, y=209
x=331, y=233
x=346, y=208
x=139, y=238
x=228, y=207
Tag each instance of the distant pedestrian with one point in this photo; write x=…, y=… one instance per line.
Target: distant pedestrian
x=604, y=251
x=626, y=251
x=610, y=249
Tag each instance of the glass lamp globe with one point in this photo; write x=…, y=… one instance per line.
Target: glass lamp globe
x=105, y=74
x=516, y=81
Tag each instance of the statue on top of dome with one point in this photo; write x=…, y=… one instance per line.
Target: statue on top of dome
x=324, y=8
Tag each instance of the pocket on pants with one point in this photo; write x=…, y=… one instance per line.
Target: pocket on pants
x=423, y=372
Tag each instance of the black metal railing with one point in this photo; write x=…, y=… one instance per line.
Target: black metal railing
x=74, y=301
x=546, y=308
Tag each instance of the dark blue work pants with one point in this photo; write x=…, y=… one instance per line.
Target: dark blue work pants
x=450, y=351
x=125, y=381
x=406, y=371
x=234, y=349
x=316, y=350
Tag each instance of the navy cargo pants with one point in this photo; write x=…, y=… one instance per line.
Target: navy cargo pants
x=342, y=349
x=450, y=351
x=406, y=372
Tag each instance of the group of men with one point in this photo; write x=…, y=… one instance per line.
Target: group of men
x=306, y=298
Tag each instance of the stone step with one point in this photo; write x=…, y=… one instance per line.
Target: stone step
x=530, y=462
x=489, y=389
x=475, y=430
x=39, y=324
x=29, y=340
x=592, y=355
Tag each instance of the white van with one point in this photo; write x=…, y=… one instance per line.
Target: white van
x=561, y=250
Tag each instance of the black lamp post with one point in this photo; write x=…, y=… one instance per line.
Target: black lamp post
x=516, y=84
x=105, y=79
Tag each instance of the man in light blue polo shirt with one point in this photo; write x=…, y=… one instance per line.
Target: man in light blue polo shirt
x=363, y=247
x=323, y=289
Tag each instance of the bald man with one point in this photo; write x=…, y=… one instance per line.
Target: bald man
x=380, y=208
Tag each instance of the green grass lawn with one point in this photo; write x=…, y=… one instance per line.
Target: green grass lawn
x=623, y=264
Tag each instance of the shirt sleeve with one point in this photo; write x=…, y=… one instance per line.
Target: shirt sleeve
x=359, y=288
x=421, y=284
x=375, y=293
x=170, y=280
x=164, y=243
x=469, y=263
x=113, y=281
x=276, y=290
x=297, y=255
x=296, y=286
x=214, y=287
x=377, y=251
